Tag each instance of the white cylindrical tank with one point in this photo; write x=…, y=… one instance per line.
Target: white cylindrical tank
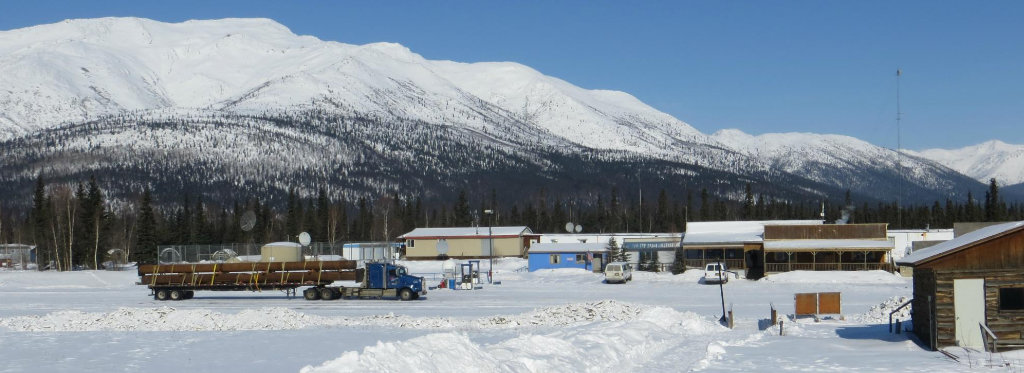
x=281, y=252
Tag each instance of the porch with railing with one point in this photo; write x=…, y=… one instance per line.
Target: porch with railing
x=786, y=267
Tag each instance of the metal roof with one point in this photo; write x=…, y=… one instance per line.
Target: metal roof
x=466, y=232
x=569, y=247
x=967, y=240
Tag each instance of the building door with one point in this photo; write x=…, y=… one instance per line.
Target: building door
x=969, y=310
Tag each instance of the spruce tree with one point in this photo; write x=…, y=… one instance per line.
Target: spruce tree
x=145, y=246
x=40, y=219
x=663, y=214
x=994, y=207
x=463, y=218
x=614, y=254
x=679, y=264
x=705, y=205
x=655, y=264
x=748, y=204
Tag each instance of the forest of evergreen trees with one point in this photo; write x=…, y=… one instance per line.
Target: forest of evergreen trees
x=75, y=226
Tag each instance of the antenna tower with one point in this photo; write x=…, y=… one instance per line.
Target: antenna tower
x=899, y=152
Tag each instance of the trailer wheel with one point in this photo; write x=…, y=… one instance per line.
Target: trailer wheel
x=326, y=294
x=189, y=294
x=177, y=294
x=405, y=294
x=161, y=294
x=311, y=294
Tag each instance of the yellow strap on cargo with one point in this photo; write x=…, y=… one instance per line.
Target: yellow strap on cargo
x=285, y=279
x=155, y=272
x=320, y=272
x=268, y=273
x=214, y=274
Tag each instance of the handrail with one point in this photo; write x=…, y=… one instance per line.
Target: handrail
x=897, y=310
x=986, y=330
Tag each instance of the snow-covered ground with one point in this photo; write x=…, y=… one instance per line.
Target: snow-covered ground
x=547, y=321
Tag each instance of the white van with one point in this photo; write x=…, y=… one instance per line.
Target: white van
x=715, y=273
x=618, y=272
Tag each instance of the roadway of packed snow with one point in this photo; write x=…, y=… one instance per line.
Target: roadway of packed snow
x=553, y=320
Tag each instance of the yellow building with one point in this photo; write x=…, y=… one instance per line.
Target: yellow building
x=468, y=243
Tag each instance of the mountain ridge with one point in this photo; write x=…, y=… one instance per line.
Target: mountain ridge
x=79, y=80
x=991, y=159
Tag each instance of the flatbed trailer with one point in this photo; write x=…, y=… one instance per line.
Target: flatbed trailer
x=377, y=280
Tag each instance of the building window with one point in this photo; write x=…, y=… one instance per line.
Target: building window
x=1011, y=299
x=581, y=258
x=410, y=243
x=555, y=259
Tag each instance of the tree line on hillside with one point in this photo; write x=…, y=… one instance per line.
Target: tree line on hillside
x=75, y=226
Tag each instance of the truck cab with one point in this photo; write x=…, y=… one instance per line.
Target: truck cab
x=390, y=276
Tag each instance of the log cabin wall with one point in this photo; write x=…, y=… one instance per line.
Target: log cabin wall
x=1007, y=325
x=921, y=310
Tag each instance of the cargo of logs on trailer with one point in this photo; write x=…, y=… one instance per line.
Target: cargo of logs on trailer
x=376, y=280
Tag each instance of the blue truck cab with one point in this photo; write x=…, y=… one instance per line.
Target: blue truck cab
x=393, y=277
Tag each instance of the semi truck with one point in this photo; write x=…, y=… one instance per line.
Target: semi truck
x=376, y=279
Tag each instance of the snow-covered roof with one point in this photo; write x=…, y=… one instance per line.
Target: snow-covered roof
x=284, y=243
x=466, y=232
x=948, y=247
x=837, y=244
x=718, y=232
x=569, y=247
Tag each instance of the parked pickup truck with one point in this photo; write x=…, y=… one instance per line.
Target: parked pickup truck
x=715, y=273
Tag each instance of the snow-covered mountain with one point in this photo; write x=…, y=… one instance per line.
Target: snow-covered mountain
x=990, y=159
x=79, y=70
x=246, y=104
x=843, y=161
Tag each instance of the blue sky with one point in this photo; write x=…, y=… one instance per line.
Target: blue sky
x=779, y=66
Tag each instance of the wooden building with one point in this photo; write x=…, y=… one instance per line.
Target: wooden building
x=468, y=242
x=739, y=244
x=826, y=247
x=973, y=280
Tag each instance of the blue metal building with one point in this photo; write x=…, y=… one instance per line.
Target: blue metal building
x=589, y=256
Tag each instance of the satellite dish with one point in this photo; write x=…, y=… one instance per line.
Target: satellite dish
x=442, y=246
x=304, y=239
x=248, y=221
x=569, y=226
x=579, y=228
